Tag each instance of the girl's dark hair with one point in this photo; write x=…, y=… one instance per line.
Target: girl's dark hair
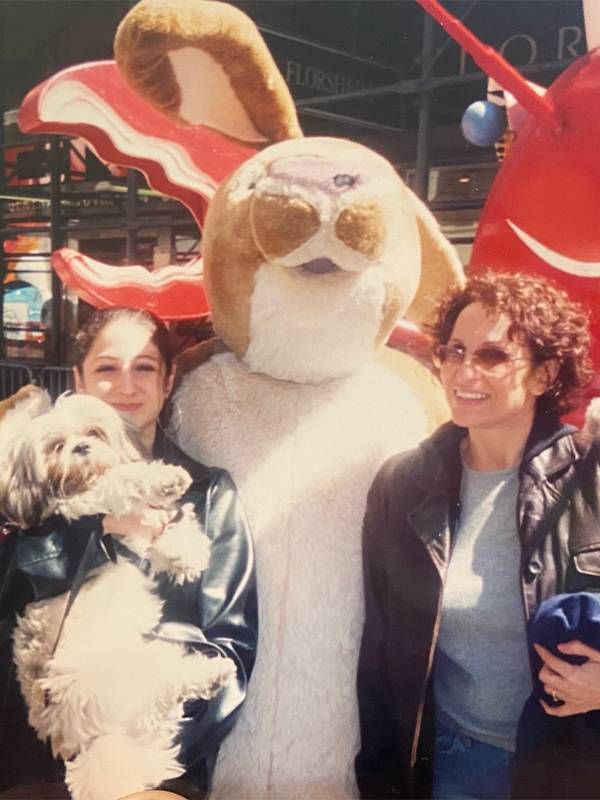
x=542, y=316
x=87, y=333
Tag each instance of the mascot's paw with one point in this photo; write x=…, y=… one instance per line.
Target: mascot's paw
x=183, y=549
x=115, y=766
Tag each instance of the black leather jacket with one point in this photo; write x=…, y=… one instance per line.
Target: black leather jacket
x=222, y=603
x=411, y=513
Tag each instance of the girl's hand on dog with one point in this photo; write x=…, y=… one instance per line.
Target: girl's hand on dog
x=149, y=523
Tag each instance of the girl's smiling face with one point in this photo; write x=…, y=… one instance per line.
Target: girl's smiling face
x=124, y=367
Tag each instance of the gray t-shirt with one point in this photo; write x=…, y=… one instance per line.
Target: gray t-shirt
x=482, y=675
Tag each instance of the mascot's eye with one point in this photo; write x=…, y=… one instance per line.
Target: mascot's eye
x=252, y=185
x=95, y=433
x=57, y=446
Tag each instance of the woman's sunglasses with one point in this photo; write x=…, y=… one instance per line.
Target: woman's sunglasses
x=485, y=359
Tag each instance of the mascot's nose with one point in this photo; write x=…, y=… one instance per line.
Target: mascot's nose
x=81, y=449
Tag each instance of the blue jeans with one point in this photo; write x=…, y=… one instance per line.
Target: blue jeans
x=467, y=769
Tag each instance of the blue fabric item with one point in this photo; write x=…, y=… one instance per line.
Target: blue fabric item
x=466, y=769
x=561, y=619
x=558, y=757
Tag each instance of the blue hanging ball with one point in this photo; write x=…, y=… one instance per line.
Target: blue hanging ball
x=483, y=123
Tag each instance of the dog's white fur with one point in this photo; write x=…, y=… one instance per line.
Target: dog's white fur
x=110, y=698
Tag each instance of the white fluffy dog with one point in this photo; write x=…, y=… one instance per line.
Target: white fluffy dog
x=107, y=694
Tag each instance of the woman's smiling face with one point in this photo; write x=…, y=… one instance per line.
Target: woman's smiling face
x=490, y=397
x=124, y=368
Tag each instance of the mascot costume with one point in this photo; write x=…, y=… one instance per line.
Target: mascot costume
x=312, y=249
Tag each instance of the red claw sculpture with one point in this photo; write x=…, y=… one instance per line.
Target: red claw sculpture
x=543, y=212
x=94, y=102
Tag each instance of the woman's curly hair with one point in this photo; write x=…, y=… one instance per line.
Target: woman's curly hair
x=543, y=317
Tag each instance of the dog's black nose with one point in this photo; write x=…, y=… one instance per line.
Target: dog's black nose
x=81, y=449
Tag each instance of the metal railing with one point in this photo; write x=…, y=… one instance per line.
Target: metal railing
x=56, y=380
x=13, y=376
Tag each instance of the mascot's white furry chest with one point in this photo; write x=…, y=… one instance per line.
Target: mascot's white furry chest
x=303, y=457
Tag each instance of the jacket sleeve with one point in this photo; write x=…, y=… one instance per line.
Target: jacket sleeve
x=377, y=757
x=225, y=609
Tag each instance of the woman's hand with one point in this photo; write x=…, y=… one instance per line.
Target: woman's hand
x=149, y=523
x=577, y=685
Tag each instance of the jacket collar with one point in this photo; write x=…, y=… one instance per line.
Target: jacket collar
x=437, y=465
x=549, y=449
x=437, y=470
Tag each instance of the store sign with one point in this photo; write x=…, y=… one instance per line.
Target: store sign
x=322, y=81
x=310, y=70
x=523, y=48
x=524, y=33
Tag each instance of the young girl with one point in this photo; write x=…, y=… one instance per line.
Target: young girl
x=124, y=357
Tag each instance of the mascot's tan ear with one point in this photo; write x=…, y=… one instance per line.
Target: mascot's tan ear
x=441, y=267
x=203, y=62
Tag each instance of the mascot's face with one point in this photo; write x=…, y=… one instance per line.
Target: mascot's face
x=310, y=257
x=59, y=454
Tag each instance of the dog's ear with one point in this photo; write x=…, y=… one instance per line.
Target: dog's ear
x=23, y=496
x=205, y=63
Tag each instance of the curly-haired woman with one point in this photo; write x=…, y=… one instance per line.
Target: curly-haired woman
x=466, y=536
